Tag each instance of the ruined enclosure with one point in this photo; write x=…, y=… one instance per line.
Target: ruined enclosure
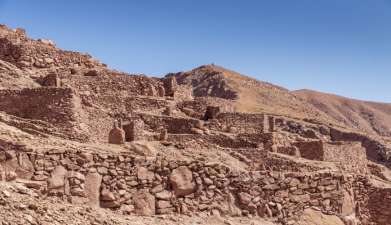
x=204, y=142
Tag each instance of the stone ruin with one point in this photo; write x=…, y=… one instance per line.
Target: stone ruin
x=50, y=80
x=117, y=134
x=275, y=167
x=170, y=86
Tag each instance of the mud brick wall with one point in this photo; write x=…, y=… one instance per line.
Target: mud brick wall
x=53, y=105
x=147, y=187
x=241, y=122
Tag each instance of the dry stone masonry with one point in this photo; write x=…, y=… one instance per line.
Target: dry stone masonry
x=179, y=145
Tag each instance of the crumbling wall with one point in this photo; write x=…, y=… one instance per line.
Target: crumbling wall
x=240, y=122
x=24, y=52
x=197, y=108
x=53, y=105
x=219, y=140
x=375, y=149
x=174, y=125
x=138, y=104
x=148, y=187
x=374, y=202
x=312, y=150
x=183, y=93
x=350, y=155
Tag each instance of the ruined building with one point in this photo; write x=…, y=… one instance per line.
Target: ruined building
x=186, y=144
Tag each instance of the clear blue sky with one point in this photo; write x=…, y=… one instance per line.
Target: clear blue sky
x=339, y=46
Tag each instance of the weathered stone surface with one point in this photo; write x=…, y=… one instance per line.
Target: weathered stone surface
x=92, y=188
x=57, y=178
x=144, y=174
x=92, y=73
x=117, y=135
x=144, y=203
x=313, y=217
x=143, y=148
x=164, y=195
x=182, y=181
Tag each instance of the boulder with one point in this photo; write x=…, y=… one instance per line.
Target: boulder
x=57, y=178
x=164, y=195
x=181, y=180
x=117, y=135
x=244, y=198
x=144, y=174
x=107, y=195
x=144, y=203
x=92, y=188
x=92, y=73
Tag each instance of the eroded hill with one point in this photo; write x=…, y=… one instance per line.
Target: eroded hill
x=370, y=117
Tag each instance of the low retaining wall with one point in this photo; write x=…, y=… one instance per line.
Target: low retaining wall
x=158, y=186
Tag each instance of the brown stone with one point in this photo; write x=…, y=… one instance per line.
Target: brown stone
x=170, y=86
x=57, y=178
x=92, y=188
x=107, y=196
x=117, y=135
x=182, y=182
x=144, y=203
x=92, y=73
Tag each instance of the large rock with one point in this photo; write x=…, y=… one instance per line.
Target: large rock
x=26, y=168
x=313, y=217
x=57, y=178
x=143, y=148
x=144, y=203
x=182, y=182
x=117, y=136
x=92, y=188
x=144, y=174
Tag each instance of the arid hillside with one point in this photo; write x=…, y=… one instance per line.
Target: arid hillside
x=248, y=94
x=370, y=117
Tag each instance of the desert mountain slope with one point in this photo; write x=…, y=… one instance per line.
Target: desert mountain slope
x=371, y=117
x=248, y=94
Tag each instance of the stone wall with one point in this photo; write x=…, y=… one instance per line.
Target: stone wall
x=21, y=51
x=137, y=104
x=53, y=105
x=183, y=93
x=174, y=125
x=158, y=186
x=350, y=155
x=240, y=122
x=375, y=149
x=312, y=150
x=374, y=202
x=219, y=140
x=197, y=107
